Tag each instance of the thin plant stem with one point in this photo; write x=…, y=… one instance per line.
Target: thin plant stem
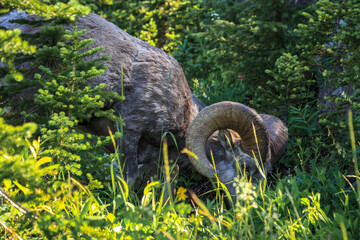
x=353, y=147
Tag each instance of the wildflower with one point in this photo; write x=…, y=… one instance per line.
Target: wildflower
x=117, y=229
x=181, y=193
x=246, y=196
x=241, y=76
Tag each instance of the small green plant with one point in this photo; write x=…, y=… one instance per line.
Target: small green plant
x=308, y=205
x=329, y=47
x=47, y=192
x=13, y=149
x=287, y=88
x=11, y=44
x=67, y=99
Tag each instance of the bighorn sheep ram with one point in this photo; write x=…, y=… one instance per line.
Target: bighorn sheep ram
x=261, y=138
x=158, y=100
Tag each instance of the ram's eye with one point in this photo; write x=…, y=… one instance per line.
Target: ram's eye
x=245, y=169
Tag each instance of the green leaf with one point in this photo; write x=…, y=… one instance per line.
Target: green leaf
x=111, y=217
x=146, y=199
x=86, y=207
x=150, y=186
x=7, y=184
x=124, y=186
x=42, y=161
x=25, y=190
x=50, y=168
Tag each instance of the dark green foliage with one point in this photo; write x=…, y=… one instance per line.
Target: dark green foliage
x=303, y=122
x=47, y=53
x=238, y=42
x=323, y=76
x=48, y=37
x=67, y=99
x=10, y=45
x=288, y=87
x=275, y=55
x=69, y=90
x=13, y=149
x=49, y=9
x=163, y=24
x=331, y=47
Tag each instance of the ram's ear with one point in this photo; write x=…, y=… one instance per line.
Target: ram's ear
x=225, y=139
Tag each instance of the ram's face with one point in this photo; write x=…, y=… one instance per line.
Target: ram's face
x=236, y=161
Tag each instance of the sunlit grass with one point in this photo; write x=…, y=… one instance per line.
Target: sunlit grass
x=318, y=204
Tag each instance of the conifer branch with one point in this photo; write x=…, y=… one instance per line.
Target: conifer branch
x=10, y=230
x=18, y=206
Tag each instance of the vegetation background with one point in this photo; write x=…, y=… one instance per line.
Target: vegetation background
x=298, y=60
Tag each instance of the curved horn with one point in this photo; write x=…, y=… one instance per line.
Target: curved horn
x=278, y=134
x=235, y=116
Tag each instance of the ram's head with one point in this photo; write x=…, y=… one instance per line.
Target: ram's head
x=253, y=144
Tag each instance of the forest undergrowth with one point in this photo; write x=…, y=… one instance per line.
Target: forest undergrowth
x=297, y=61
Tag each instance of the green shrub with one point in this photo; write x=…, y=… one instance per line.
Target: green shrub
x=287, y=88
x=238, y=42
x=330, y=45
x=59, y=187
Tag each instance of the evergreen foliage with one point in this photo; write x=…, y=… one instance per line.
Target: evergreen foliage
x=330, y=44
x=68, y=89
x=14, y=142
x=46, y=41
x=47, y=53
x=276, y=55
x=319, y=72
x=49, y=9
x=67, y=99
x=238, y=42
x=288, y=87
x=163, y=24
x=12, y=45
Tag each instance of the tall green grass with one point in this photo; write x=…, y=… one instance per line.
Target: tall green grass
x=310, y=203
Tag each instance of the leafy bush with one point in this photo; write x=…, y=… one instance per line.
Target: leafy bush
x=239, y=38
x=63, y=186
x=11, y=44
x=288, y=87
x=330, y=47
x=163, y=24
